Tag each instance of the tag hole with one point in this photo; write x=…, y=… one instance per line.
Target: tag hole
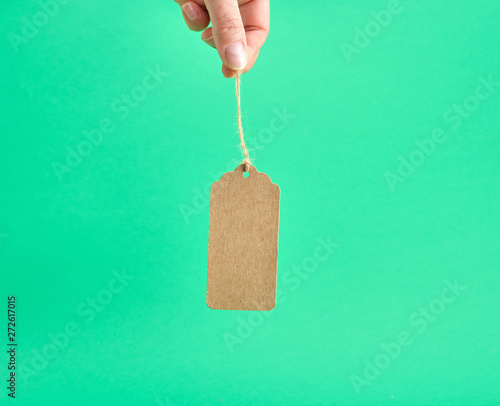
x=246, y=174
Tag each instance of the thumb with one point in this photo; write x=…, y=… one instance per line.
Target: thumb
x=228, y=32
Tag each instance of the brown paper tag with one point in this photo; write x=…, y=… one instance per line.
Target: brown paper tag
x=243, y=241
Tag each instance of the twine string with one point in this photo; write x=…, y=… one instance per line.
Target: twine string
x=244, y=149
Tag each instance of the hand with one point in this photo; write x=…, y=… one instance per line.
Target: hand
x=239, y=29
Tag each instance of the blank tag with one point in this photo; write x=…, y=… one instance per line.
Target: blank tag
x=243, y=241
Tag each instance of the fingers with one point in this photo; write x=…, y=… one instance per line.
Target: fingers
x=228, y=32
x=195, y=16
x=208, y=37
x=255, y=16
x=238, y=33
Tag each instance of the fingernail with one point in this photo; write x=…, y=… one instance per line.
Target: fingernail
x=209, y=41
x=190, y=11
x=236, y=56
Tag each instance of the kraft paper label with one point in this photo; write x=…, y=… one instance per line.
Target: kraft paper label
x=243, y=241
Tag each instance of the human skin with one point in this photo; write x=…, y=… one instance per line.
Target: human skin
x=239, y=29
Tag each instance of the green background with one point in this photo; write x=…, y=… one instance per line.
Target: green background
x=123, y=207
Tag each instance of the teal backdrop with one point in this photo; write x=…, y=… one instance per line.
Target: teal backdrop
x=378, y=120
